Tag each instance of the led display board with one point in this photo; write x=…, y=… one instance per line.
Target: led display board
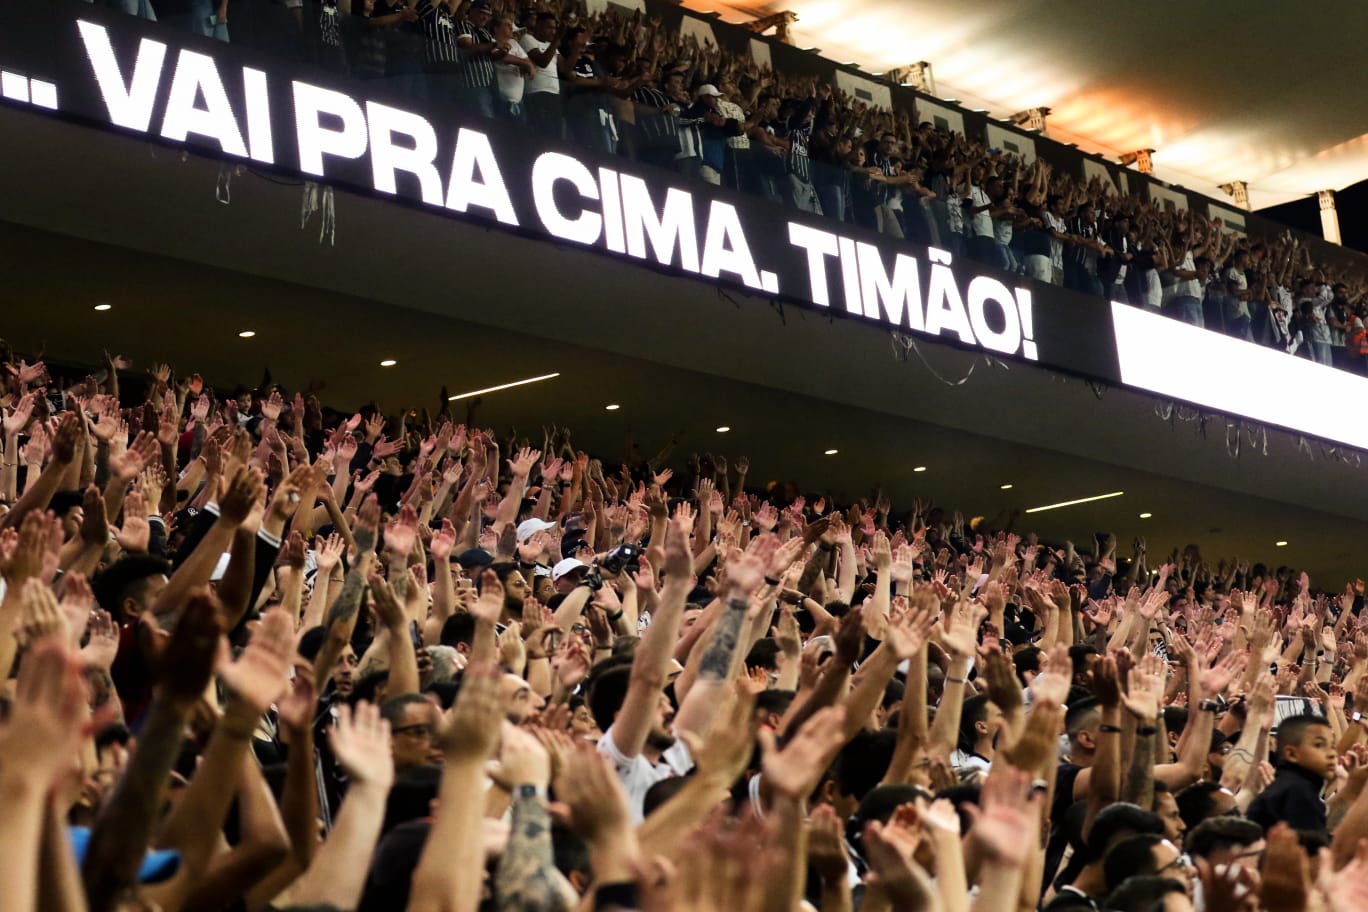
x=100, y=68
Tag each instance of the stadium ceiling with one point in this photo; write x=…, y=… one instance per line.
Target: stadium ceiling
x=1222, y=91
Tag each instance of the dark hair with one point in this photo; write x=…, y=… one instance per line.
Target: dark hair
x=661, y=792
x=1141, y=893
x=458, y=630
x=774, y=701
x=1080, y=715
x=1222, y=833
x=1025, y=660
x=393, y=709
x=1197, y=803
x=1120, y=821
x=607, y=694
x=1292, y=730
x=975, y=711
x=861, y=764
x=126, y=578
x=1129, y=857
x=764, y=654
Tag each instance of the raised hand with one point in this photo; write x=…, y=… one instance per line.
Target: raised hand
x=360, y=740
x=1008, y=808
x=471, y=729
x=261, y=673
x=794, y=771
x=401, y=534
x=102, y=647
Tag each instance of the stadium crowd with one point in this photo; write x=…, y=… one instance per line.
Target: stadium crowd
x=627, y=84
x=261, y=654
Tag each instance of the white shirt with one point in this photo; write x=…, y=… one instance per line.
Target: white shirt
x=547, y=79
x=1188, y=288
x=511, y=78
x=637, y=773
x=981, y=222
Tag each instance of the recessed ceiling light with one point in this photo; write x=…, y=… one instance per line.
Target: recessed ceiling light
x=388, y=362
x=830, y=452
x=1280, y=544
x=246, y=334
x=1072, y=503
x=612, y=407
x=502, y=386
x=1146, y=515
x=722, y=429
x=104, y=307
x=1006, y=487
x=919, y=468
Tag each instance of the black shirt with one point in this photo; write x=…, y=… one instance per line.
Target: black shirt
x=1293, y=798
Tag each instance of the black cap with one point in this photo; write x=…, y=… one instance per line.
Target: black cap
x=475, y=557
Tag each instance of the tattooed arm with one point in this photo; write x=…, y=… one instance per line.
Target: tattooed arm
x=341, y=619
x=527, y=879
x=721, y=655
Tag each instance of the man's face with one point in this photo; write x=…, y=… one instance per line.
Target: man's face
x=661, y=736
x=344, y=673
x=515, y=590
x=546, y=29
x=480, y=15
x=518, y=698
x=1167, y=808
x=411, y=740
x=674, y=84
x=1169, y=862
x=142, y=597
x=1316, y=751
x=582, y=724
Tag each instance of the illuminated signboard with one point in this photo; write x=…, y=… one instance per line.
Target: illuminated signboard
x=120, y=73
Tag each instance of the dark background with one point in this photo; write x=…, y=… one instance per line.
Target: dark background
x=1304, y=214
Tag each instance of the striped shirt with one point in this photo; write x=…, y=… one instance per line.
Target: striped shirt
x=439, y=29
x=800, y=166
x=475, y=69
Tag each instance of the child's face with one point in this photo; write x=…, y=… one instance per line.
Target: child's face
x=1316, y=751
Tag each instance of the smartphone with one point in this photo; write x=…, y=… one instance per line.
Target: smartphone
x=465, y=584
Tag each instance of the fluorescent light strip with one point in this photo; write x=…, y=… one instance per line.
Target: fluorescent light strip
x=1209, y=369
x=1074, y=503
x=502, y=386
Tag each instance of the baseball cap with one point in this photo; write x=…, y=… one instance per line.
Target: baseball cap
x=569, y=565
x=708, y=89
x=157, y=864
x=530, y=527
x=475, y=557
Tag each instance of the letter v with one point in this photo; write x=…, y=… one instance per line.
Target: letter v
x=129, y=105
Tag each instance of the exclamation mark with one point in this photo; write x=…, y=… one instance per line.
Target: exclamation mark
x=1028, y=346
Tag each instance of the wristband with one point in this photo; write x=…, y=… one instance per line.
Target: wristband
x=1109, y=729
x=614, y=618
x=1145, y=730
x=950, y=680
x=529, y=791
x=1209, y=706
x=771, y=580
x=823, y=546
x=738, y=604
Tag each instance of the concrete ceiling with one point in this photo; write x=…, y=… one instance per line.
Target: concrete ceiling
x=466, y=307
x=1222, y=90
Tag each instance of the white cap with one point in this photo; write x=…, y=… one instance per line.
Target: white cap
x=708, y=89
x=530, y=527
x=568, y=565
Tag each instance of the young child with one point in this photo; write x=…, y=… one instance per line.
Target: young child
x=1306, y=760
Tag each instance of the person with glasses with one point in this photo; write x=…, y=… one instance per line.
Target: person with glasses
x=413, y=722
